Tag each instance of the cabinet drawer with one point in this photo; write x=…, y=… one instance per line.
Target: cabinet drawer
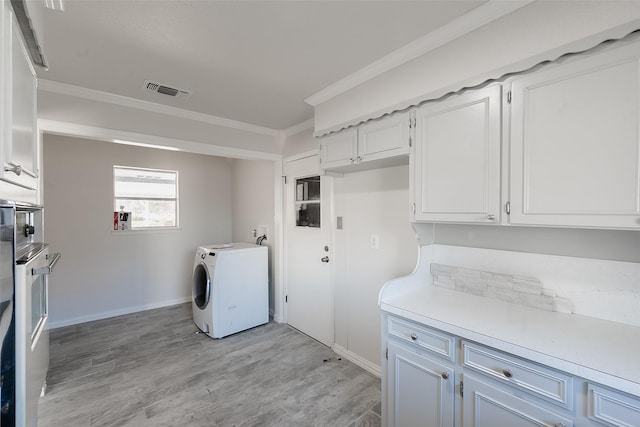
x=540, y=381
x=613, y=408
x=431, y=340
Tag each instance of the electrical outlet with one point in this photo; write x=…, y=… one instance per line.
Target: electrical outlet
x=375, y=241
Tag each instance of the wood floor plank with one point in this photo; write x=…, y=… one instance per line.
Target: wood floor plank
x=156, y=369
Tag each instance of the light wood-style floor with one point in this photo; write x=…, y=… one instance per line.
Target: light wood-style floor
x=154, y=369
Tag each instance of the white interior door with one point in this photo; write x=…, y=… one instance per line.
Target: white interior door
x=309, y=300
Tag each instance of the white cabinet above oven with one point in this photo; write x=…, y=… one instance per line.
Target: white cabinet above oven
x=18, y=115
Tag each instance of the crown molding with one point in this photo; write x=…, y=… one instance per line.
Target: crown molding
x=113, y=135
x=124, y=101
x=300, y=156
x=461, y=26
x=302, y=126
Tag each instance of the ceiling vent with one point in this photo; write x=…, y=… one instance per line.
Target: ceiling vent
x=166, y=90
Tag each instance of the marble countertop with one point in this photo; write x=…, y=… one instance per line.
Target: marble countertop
x=596, y=350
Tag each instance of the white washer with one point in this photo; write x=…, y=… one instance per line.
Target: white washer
x=230, y=291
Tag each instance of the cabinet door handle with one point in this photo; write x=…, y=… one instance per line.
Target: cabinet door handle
x=414, y=337
x=507, y=373
x=445, y=376
x=17, y=169
x=491, y=217
x=559, y=425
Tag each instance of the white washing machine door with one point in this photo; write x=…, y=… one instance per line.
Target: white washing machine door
x=201, y=291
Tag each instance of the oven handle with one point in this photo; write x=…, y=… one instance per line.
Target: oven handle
x=49, y=268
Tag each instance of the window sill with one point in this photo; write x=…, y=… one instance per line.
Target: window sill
x=146, y=231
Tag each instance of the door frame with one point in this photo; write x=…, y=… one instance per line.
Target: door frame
x=330, y=238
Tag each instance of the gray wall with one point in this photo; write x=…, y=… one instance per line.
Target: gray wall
x=370, y=202
x=300, y=142
x=104, y=273
x=253, y=205
x=116, y=118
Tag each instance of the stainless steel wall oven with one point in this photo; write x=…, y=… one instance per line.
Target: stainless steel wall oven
x=7, y=315
x=25, y=264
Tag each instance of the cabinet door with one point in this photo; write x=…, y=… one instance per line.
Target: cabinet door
x=457, y=158
x=6, y=37
x=612, y=408
x=420, y=390
x=339, y=150
x=384, y=138
x=20, y=140
x=487, y=406
x=575, y=152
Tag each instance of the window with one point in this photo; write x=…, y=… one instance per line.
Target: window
x=151, y=195
x=308, y=202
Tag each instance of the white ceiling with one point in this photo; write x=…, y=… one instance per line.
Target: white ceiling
x=249, y=61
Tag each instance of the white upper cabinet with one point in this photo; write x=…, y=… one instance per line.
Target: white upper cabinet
x=19, y=115
x=380, y=143
x=457, y=158
x=575, y=143
x=380, y=139
x=339, y=150
x=6, y=39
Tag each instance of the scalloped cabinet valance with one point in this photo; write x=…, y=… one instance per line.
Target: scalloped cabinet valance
x=537, y=32
x=557, y=145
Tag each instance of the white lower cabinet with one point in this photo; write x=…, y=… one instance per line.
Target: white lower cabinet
x=435, y=379
x=486, y=405
x=543, y=383
x=612, y=408
x=419, y=375
x=424, y=389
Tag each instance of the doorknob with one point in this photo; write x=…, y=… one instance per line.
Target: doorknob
x=324, y=259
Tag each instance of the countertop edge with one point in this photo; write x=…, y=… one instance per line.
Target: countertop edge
x=547, y=356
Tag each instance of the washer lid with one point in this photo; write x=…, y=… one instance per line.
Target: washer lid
x=221, y=246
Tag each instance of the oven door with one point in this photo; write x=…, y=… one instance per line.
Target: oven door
x=32, y=334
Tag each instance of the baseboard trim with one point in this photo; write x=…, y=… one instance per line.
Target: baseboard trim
x=358, y=360
x=114, y=313
x=277, y=319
